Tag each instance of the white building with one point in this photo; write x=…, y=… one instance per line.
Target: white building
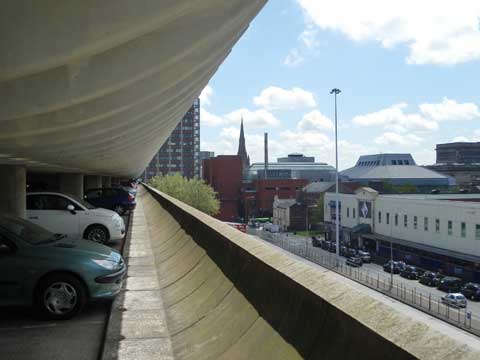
x=440, y=227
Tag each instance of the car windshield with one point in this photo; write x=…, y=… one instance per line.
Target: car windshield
x=82, y=202
x=31, y=233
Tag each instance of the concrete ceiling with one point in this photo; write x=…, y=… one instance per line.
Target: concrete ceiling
x=97, y=86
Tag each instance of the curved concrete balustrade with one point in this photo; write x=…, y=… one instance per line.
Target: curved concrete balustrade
x=97, y=86
x=229, y=296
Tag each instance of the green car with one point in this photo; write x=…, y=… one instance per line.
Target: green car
x=56, y=276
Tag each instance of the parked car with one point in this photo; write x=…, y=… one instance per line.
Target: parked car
x=354, y=261
x=455, y=300
x=430, y=278
x=450, y=284
x=351, y=252
x=398, y=266
x=315, y=241
x=471, y=291
x=116, y=199
x=343, y=251
x=55, y=275
x=130, y=186
x=365, y=255
x=332, y=247
x=325, y=245
x=74, y=217
x=411, y=272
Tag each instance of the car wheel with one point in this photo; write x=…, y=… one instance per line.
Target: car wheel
x=119, y=209
x=97, y=234
x=60, y=296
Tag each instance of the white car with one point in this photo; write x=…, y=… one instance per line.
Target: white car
x=455, y=299
x=74, y=217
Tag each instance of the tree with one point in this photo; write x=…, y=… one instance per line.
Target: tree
x=193, y=192
x=317, y=212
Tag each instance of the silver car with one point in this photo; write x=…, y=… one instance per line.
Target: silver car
x=455, y=300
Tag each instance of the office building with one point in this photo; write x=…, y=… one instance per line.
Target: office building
x=181, y=151
x=460, y=160
x=396, y=169
x=435, y=231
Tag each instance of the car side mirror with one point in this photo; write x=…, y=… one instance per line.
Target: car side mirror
x=71, y=208
x=5, y=249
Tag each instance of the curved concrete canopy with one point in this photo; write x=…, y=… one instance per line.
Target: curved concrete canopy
x=97, y=86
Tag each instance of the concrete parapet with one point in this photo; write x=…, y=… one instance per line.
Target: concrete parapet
x=228, y=296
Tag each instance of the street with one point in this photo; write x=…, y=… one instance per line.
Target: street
x=409, y=291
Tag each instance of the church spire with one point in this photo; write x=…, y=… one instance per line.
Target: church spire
x=242, y=150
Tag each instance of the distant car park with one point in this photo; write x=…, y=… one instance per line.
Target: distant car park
x=354, y=261
x=315, y=241
x=450, y=284
x=54, y=275
x=73, y=217
x=430, y=278
x=398, y=266
x=454, y=299
x=471, y=291
x=365, y=256
x=411, y=272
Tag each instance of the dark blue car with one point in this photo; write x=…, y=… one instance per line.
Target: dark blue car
x=116, y=199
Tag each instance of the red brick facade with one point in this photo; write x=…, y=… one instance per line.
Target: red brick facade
x=224, y=174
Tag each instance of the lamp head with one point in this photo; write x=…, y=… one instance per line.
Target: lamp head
x=335, y=91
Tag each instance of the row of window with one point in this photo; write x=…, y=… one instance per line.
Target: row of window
x=463, y=225
x=377, y=162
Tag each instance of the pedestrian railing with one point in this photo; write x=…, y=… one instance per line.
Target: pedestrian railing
x=412, y=296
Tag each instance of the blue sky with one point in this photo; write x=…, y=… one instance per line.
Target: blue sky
x=409, y=74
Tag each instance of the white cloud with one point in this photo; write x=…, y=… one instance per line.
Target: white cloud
x=460, y=139
x=435, y=31
x=209, y=119
x=315, y=121
x=293, y=59
x=475, y=137
x=255, y=118
x=450, y=110
x=309, y=37
x=395, y=118
x=394, y=139
x=276, y=98
x=205, y=96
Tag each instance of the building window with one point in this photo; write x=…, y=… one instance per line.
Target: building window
x=353, y=212
x=437, y=225
x=348, y=212
x=463, y=231
x=477, y=232
x=388, y=218
x=396, y=219
x=379, y=217
x=415, y=222
x=405, y=220
x=450, y=227
x=425, y=224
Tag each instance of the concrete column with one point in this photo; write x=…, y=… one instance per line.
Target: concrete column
x=71, y=184
x=107, y=181
x=93, y=182
x=13, y=189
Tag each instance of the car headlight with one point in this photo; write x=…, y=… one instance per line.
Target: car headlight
x=107, y=264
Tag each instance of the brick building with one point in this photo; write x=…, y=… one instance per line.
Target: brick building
x=266, y=190
x=224, y=174
x=181, y=151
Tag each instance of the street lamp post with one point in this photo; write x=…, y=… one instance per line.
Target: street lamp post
x=336, y=91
